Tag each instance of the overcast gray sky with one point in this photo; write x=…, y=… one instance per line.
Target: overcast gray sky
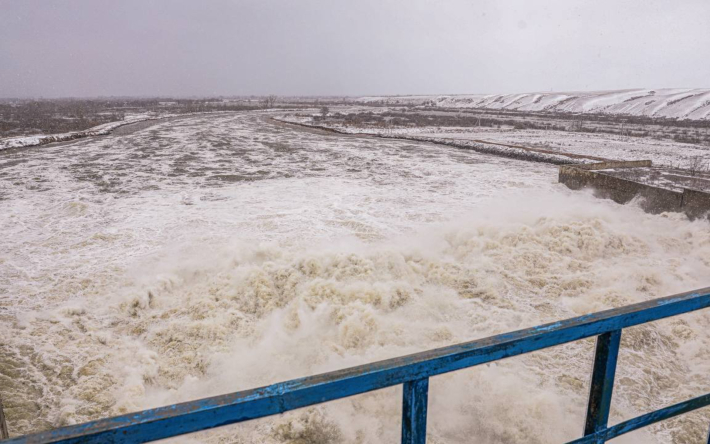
x=336, y=47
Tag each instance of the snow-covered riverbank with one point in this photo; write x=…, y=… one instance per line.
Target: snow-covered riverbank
x=42, y=139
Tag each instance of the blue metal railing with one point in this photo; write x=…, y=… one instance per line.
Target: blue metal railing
x=413, y=372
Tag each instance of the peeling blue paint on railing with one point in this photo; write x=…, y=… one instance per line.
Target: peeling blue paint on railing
x=414, y=372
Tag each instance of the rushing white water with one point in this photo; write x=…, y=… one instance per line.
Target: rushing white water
x=213, y=254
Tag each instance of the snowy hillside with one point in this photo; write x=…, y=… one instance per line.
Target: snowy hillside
x=673, y=103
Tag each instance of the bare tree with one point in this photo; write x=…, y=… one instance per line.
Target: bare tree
x=697, y=164
x=270, y=101
x=324, y=112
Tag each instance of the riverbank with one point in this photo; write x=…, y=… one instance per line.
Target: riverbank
x=485, y=147
x=123, y=127
x=100, y=130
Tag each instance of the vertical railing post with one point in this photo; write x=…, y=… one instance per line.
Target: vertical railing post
x=607, y=352
x=4, y=432
x=414, y=411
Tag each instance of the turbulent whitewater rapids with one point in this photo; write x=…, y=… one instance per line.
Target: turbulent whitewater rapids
x=211, y=254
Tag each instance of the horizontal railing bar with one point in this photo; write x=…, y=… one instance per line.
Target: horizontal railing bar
x=192, y=416
x=647, y=419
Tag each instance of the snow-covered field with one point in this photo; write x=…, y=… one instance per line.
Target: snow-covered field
x=217, y=253
x=609, y=146
x=671, y=103
x=558, y=143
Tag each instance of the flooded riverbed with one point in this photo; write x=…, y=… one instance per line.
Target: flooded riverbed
x=221, y=252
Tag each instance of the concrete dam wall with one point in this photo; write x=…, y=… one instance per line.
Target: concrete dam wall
x=604, y=178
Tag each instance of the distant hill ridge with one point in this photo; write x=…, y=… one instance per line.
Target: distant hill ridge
x=677, y=103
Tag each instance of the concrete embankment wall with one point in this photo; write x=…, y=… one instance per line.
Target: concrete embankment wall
x=696, y=203
x=654, y=199
x=616, y=164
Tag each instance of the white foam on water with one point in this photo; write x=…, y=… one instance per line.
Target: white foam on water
x=138, y=296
